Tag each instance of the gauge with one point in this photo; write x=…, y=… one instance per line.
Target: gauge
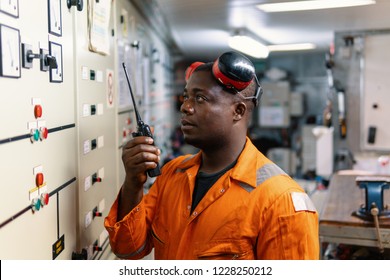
x=9, y=52
x=56, y=73
x=55, y=17
x=10, y=7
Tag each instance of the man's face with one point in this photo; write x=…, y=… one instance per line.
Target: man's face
x=207, y=112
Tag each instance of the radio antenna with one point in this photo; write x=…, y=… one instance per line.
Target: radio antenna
x=137, y=115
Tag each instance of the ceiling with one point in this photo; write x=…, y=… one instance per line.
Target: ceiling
x=201, y=28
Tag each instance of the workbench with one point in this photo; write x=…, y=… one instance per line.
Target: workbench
x=338, y=225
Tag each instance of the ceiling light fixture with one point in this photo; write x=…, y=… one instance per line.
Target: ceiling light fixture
x=291, y=47
x=248, y=45
x=311, y=5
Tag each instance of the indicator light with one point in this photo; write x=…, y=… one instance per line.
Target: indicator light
x=38, y=111
x=39, y=179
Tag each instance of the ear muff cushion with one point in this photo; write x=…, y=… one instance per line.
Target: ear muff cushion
x=234, y=70
x=190, y=69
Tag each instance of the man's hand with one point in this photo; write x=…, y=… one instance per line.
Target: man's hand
x=138, y=155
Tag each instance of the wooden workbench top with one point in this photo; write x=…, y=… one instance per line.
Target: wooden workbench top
x=344, y=198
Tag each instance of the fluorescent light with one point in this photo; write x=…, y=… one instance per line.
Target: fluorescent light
x=249, y=46
x=311, y=5
x=291, y=47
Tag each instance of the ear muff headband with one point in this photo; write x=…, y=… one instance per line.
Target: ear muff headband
x=191, y=69
x=233, y=71
x=226, y=81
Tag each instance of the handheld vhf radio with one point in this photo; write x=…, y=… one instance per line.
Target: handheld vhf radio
x=142, y=128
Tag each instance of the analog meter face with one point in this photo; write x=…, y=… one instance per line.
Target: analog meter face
x=10, y=7
x=55, y=17
x=9, y=52
x=56, y=73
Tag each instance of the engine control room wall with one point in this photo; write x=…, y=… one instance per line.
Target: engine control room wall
x=63, y=129
x=27, y=159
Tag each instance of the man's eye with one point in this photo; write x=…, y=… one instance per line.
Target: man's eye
x=200, y=98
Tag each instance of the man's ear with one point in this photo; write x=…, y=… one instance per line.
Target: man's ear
x=239, y=111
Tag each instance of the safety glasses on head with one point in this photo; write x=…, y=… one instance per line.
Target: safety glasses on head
x=234, y=72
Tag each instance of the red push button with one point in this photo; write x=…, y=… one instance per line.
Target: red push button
x=38, y=111
x=45, y=199
x=39, y=179
x=43, y=133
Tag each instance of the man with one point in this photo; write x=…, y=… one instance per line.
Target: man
x=226, y=202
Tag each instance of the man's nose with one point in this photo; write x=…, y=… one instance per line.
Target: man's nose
x=187, y=107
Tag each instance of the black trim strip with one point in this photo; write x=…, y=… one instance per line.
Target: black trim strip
x=16, y=138
x=25, y=136
x=105, y=246
x=62, y=127
x=58, y=216
x=21, y=212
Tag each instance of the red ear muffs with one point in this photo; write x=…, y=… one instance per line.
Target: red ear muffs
x=234, y=70
x=191, y=69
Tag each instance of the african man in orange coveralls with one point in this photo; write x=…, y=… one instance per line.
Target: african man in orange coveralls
x=228, y=201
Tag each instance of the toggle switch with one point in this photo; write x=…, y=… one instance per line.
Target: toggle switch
x=92, y=75
x=93, y=109
x=96, y=179
x=96, y=213
x=96, y=247
x=37, y=111
x=93, y=144
x=39, y=179
x=43, y=133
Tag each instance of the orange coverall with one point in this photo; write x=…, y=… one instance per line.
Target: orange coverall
x=254, y=211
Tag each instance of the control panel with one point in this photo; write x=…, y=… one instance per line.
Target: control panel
x=66, y=116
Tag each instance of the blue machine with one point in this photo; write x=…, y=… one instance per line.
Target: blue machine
x=374, y=188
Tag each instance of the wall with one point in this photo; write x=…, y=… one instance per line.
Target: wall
x=360, y=62
x=60, y=185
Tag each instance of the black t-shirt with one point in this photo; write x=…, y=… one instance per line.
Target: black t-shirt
x=204, y=181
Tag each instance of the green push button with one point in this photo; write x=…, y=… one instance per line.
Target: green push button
x=36, y=135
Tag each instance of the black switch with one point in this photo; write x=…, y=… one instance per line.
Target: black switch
x=371, y=134
x=92, y=75
x=93, y=109
x=95, y=178
x=93, y=144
